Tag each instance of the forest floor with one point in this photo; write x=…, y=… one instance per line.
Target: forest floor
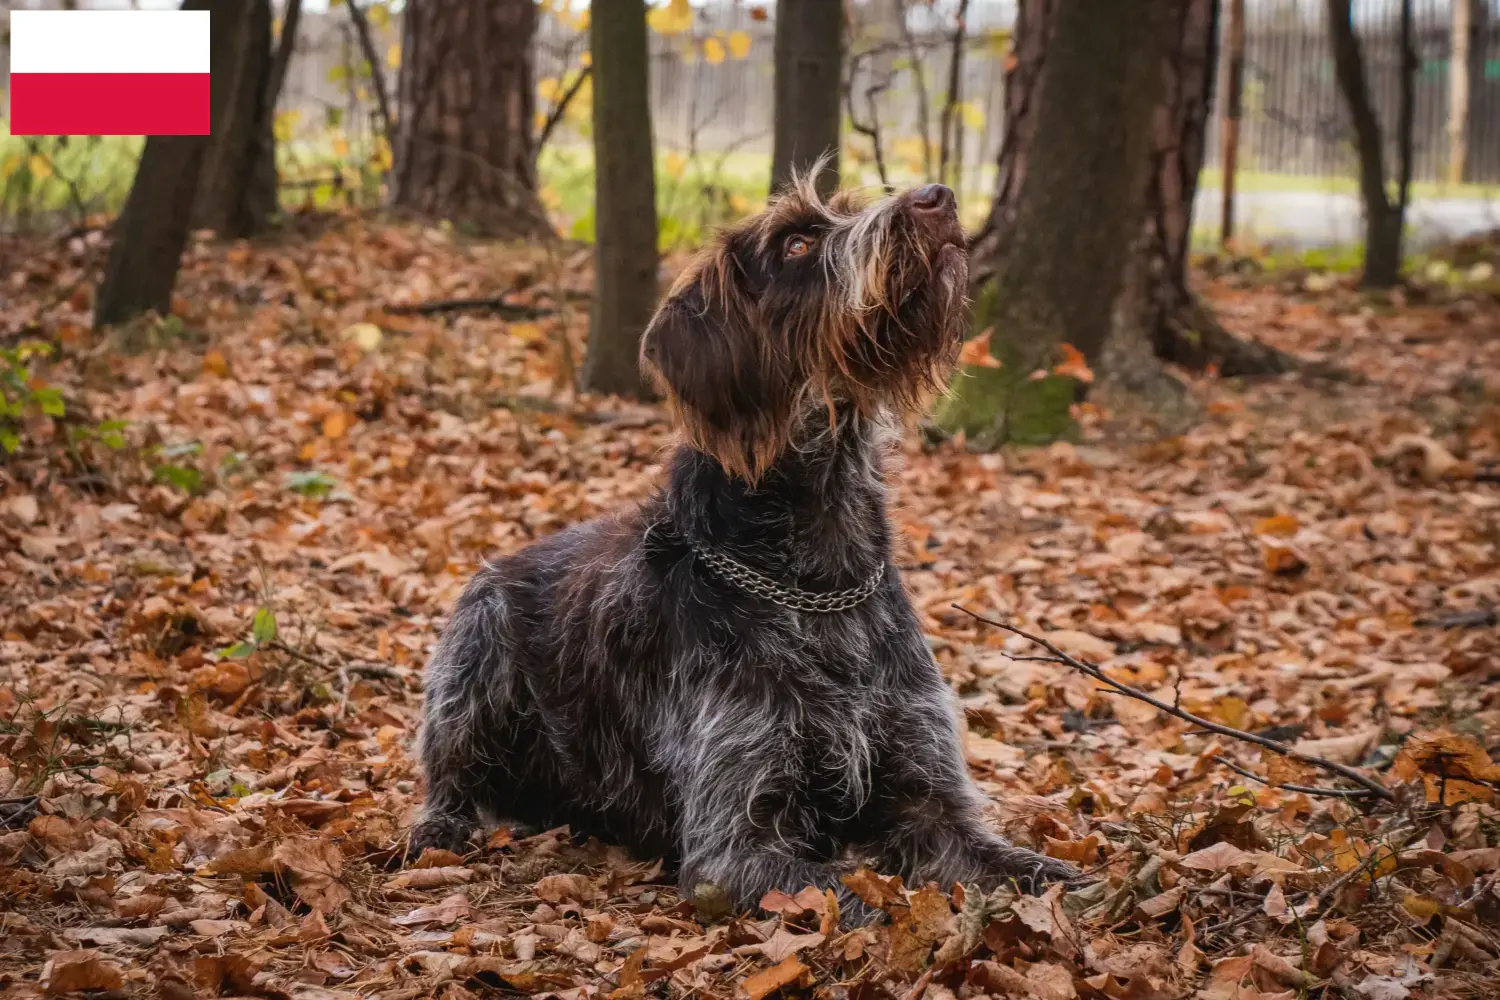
x=223, y=567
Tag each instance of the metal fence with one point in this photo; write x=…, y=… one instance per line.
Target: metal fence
x=712, y=84
x=1294, y=118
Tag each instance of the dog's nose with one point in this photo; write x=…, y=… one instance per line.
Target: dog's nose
x=933, y=198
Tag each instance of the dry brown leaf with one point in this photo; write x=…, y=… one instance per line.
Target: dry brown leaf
x=976, y=351
x=555, y=888
x=1219, y=857
x=873, y=890
x=768, y=981
x=431, y=878
x=76, y=971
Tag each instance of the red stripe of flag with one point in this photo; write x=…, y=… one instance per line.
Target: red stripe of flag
x=109, y=104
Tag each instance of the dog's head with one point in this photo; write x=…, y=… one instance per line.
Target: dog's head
x=811, y=303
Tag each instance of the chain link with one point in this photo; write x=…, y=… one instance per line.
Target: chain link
x=738, y=575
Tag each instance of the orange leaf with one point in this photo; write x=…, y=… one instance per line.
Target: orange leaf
x=1074, y=365
x=335, y=424
x=1080, y=852
x=770, y=980
x=215, y=363
x=1283, y=560
x=1232, y=711
x=1282, y=525
x=976, y=351
x=874, y=890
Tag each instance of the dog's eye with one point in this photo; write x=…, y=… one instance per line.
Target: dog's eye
x=796, y=246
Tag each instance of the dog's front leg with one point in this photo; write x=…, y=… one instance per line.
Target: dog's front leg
x=947, y=842
x=747, y=871
x=933, y=815
x=747, y=827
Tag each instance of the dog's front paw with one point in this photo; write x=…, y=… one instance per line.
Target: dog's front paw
x=442, y=833
x=1033, y=872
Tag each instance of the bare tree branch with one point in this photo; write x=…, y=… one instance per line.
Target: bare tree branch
x=1370, y=785
x=283, y=57
x=918, y=69
x=1337, y=793
x=561, y=107
x=950, y=138
x=377, y=75
x=872, y=129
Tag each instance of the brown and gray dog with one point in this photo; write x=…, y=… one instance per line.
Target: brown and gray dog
x=731, y=674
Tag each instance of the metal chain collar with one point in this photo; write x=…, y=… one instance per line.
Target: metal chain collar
x=738, y=575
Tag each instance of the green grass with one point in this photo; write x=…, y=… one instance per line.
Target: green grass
x=1250, y=181
x=42, y=179
x=46, y=175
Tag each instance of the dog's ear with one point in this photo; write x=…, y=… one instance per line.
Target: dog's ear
x=732, y=388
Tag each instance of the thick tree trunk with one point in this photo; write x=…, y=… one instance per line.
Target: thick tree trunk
x=625, y=260
x=232, y=197
x=1088, y=238
x=809, y=82
x=1062, y=251
x=1385, y=219
x=153, y=228
x=1179, y=327
x=464, y=117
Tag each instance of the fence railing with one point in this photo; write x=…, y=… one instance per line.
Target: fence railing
x=711, y=86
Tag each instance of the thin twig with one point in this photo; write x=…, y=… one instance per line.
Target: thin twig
x=872, y=129
x=493, y=303
x=1337, y=793
x=950, y=136
x=377, y=72
x=1280, y=749
x=1373, y=859
x=297, y=654
x=1249, y=539
x=283, y=57
x=561, y=107
x=917, y=65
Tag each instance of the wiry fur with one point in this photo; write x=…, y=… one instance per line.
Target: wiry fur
x=605, y=678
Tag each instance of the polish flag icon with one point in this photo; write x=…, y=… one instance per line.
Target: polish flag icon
x=109, y=72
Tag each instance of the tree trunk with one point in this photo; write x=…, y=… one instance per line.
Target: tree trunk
x=1385, y=220
x=1061, y=255
x=1459, y=79
x=809, y=82
x=624, y=199
x=1087, y=241
x=232, y=199
x=153, y=227
x=1229, y=120
x=464, y=117
x=152, y=230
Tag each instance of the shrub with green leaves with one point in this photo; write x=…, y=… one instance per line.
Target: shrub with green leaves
x=22, y=393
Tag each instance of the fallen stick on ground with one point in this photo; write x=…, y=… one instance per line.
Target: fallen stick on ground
x=493, y=303
x=1371, y=786
x=1337, y=793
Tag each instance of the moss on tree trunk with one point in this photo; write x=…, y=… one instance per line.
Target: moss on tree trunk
x=1061, y=259
x=1087, y=242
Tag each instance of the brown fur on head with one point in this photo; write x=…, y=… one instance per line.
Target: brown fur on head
x=810, y=303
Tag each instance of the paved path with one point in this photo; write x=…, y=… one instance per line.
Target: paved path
x=1309, y=219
